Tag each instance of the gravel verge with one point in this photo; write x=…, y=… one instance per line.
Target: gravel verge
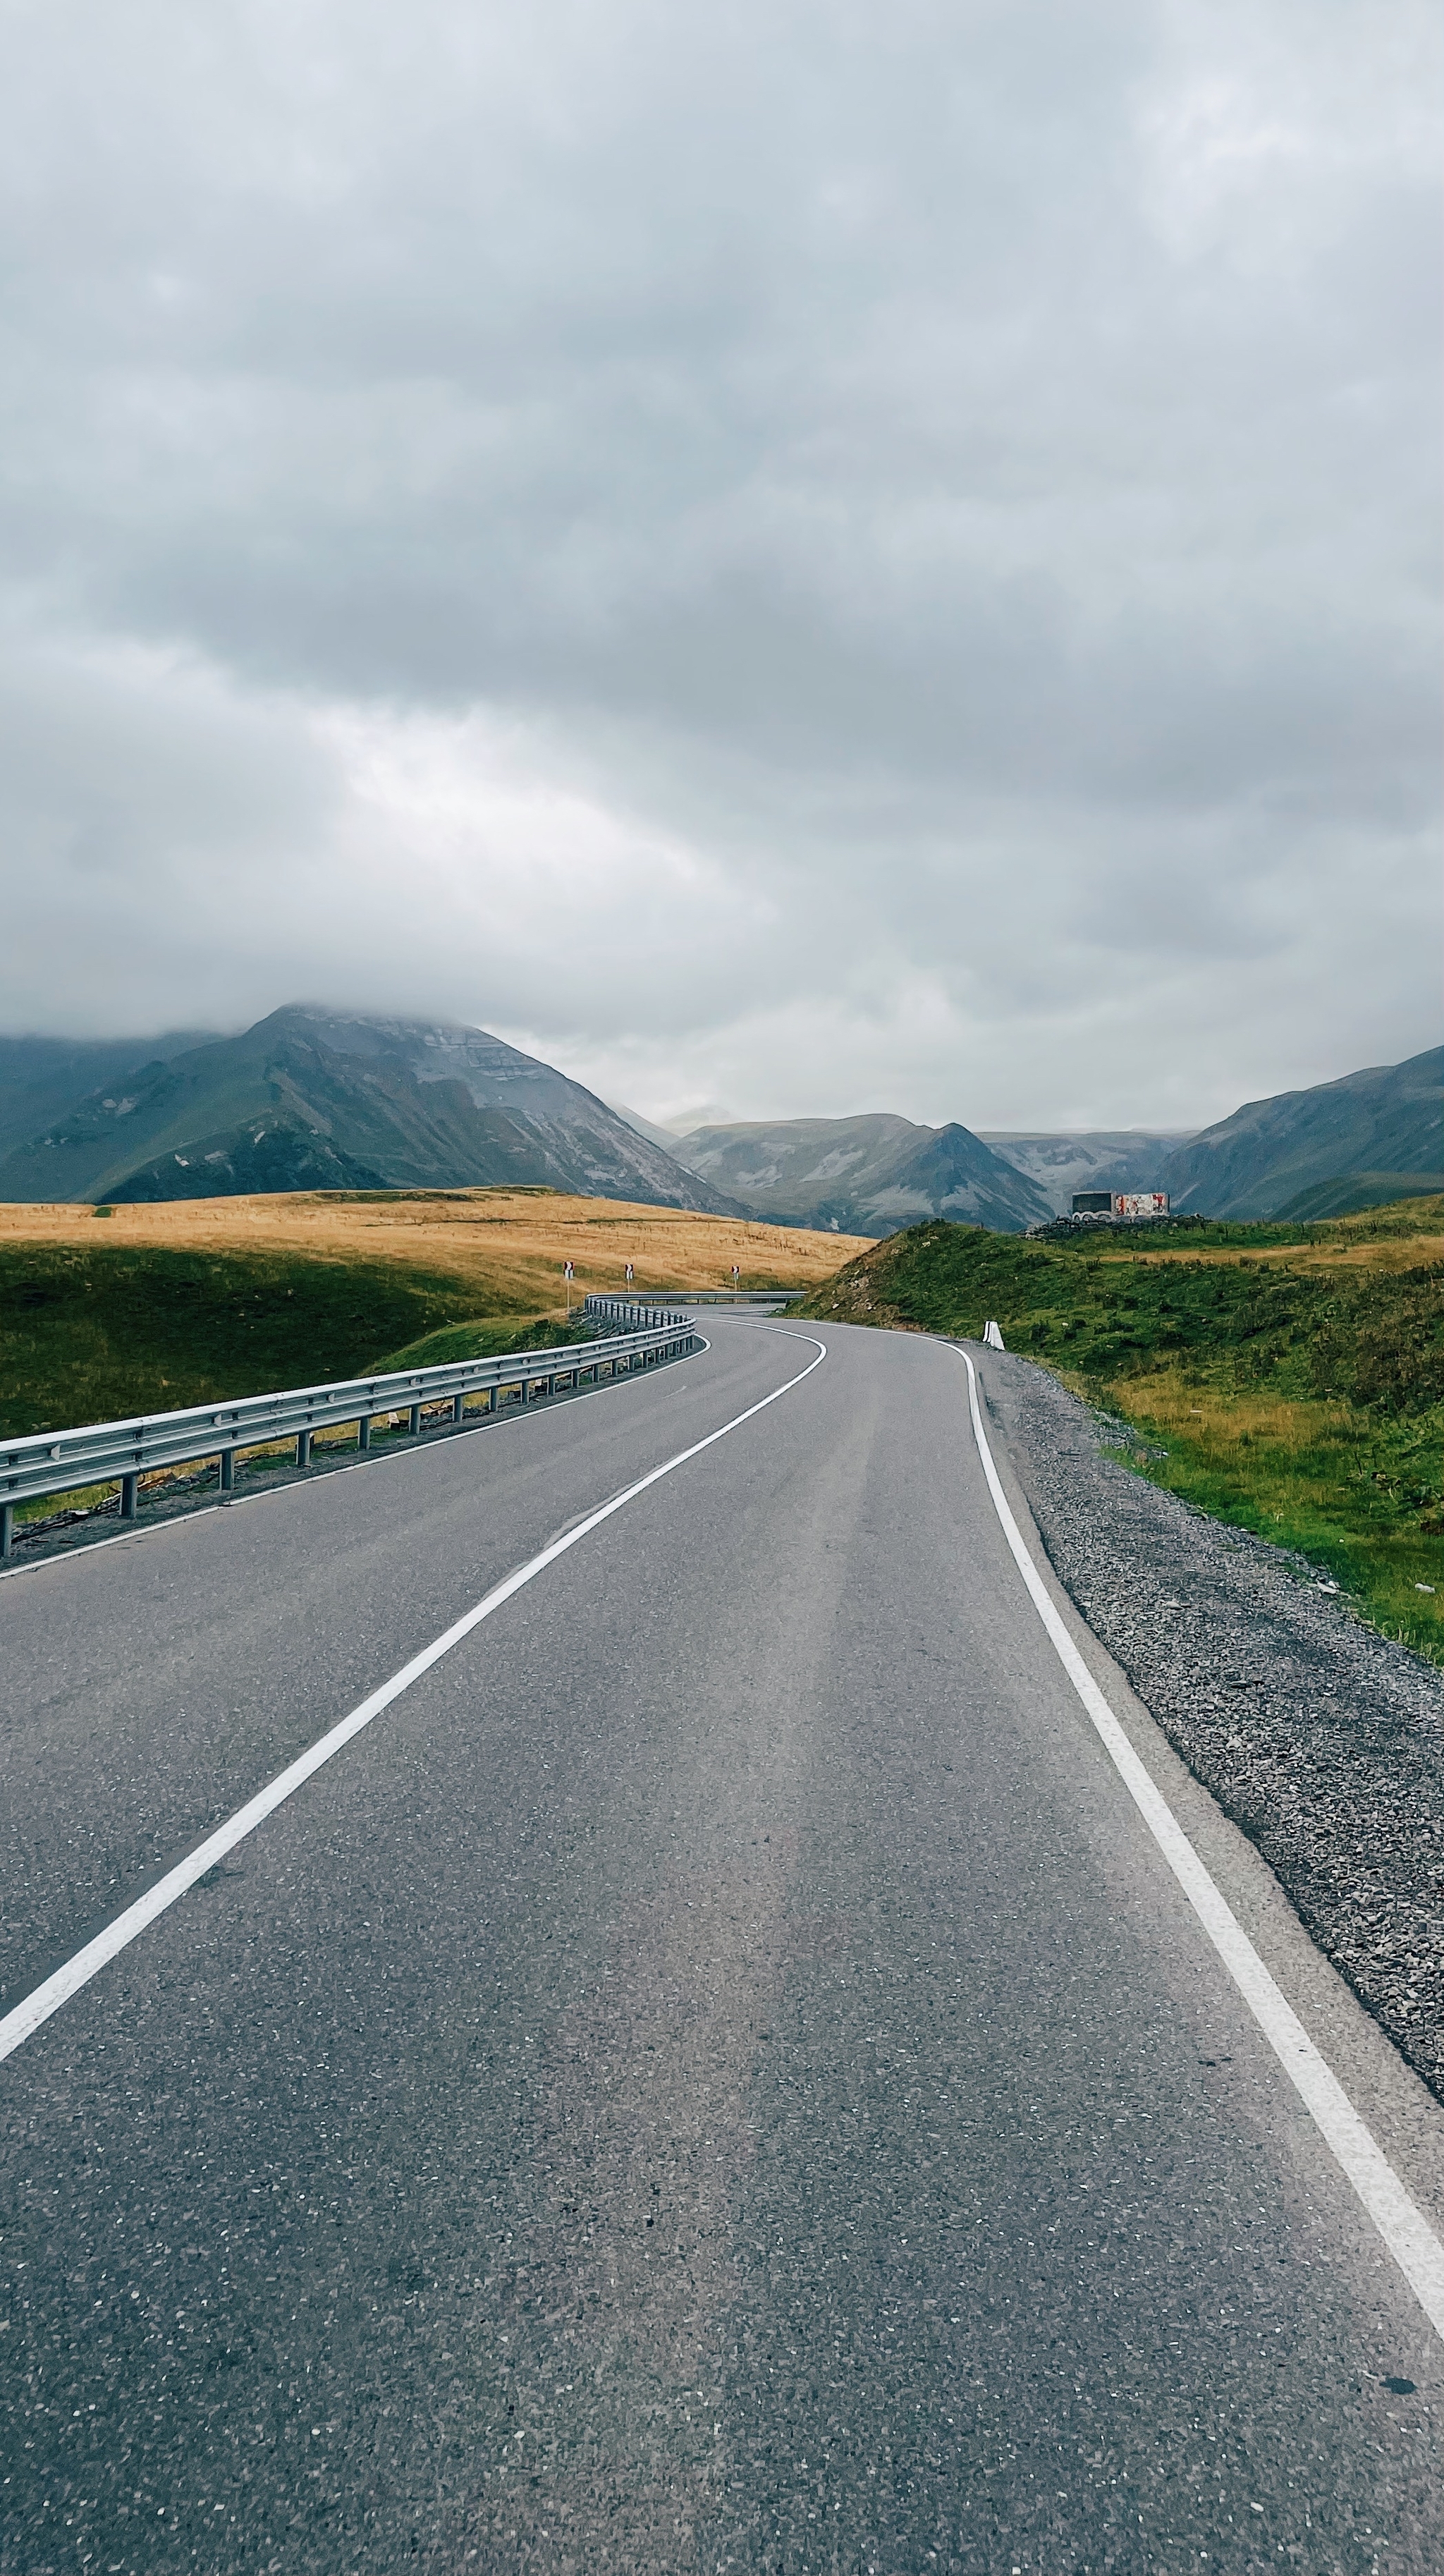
x=1323, y=1740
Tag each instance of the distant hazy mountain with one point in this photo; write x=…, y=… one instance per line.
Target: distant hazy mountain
x=40, y=1078
x=319, y=1099
x=870, y=1175
x=647, y=1127
x=1375, y=1135
x=1125, y=1158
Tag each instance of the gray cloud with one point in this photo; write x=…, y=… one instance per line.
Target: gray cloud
x=783, y=558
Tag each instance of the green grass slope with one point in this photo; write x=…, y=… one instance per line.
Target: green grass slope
x=485, y=1337
x=96, y=1335
x=1293, y=1398
x=1359, y=1190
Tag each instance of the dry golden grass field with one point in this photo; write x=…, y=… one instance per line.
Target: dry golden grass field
x=105, y=1314
x=506, y=1245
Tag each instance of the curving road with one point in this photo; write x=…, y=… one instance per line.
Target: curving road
x=716, y=2075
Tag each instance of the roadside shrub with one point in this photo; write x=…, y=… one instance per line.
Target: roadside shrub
x=1380, y=1342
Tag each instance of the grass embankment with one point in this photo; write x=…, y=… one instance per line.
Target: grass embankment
x=155, y=1308
x=1289, y=1380
x=93, y=1334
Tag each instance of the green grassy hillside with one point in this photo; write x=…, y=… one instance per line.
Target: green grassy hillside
x=95, y=1335
x=1288, y=1380
x=484, y=1337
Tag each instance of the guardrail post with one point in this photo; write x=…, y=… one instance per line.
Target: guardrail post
x=416, y=1421
x=458, y=1407
x=228, y=1470
x=7, y=1515
x=363, y=1432
x=303, y=1448
x=129, y=1486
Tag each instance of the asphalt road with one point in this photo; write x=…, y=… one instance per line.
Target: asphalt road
x=717, y=2076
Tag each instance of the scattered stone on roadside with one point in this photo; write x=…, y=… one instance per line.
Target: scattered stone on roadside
x=1322, y=1739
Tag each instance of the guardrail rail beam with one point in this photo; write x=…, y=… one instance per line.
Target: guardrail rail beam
x=44, y=1465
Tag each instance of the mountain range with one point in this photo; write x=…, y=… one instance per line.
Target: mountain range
x=1370, y=1137
x=317, y=1099
x=1358, y=1142
x=311, y=1099
x=868, y=1175
x=41, y=1079
x=1127, y=1158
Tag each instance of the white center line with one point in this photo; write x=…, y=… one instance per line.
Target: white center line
x=25, y=2018
x=1401, y=2223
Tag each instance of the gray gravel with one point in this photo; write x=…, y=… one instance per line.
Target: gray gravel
x=1323, y=1740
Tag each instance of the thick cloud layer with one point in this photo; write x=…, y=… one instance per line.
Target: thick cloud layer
x=791, y=559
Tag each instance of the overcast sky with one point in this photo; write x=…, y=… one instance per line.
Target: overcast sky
x=789, y=558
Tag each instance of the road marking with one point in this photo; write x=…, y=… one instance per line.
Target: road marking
x=1405, y=2230
x=25, y=2018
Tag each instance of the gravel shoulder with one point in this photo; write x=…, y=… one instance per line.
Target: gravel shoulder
x=1321, y=1739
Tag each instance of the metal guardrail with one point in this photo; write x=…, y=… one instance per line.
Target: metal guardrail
x=741, y=1296
x=106, y=1453
x=608, y=1305
x=639, y=1314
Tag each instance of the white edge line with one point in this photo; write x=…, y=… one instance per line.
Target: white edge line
x=26, y=2017
x=1405, y=2230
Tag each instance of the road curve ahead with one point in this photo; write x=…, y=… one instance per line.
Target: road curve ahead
x=715, y=2075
